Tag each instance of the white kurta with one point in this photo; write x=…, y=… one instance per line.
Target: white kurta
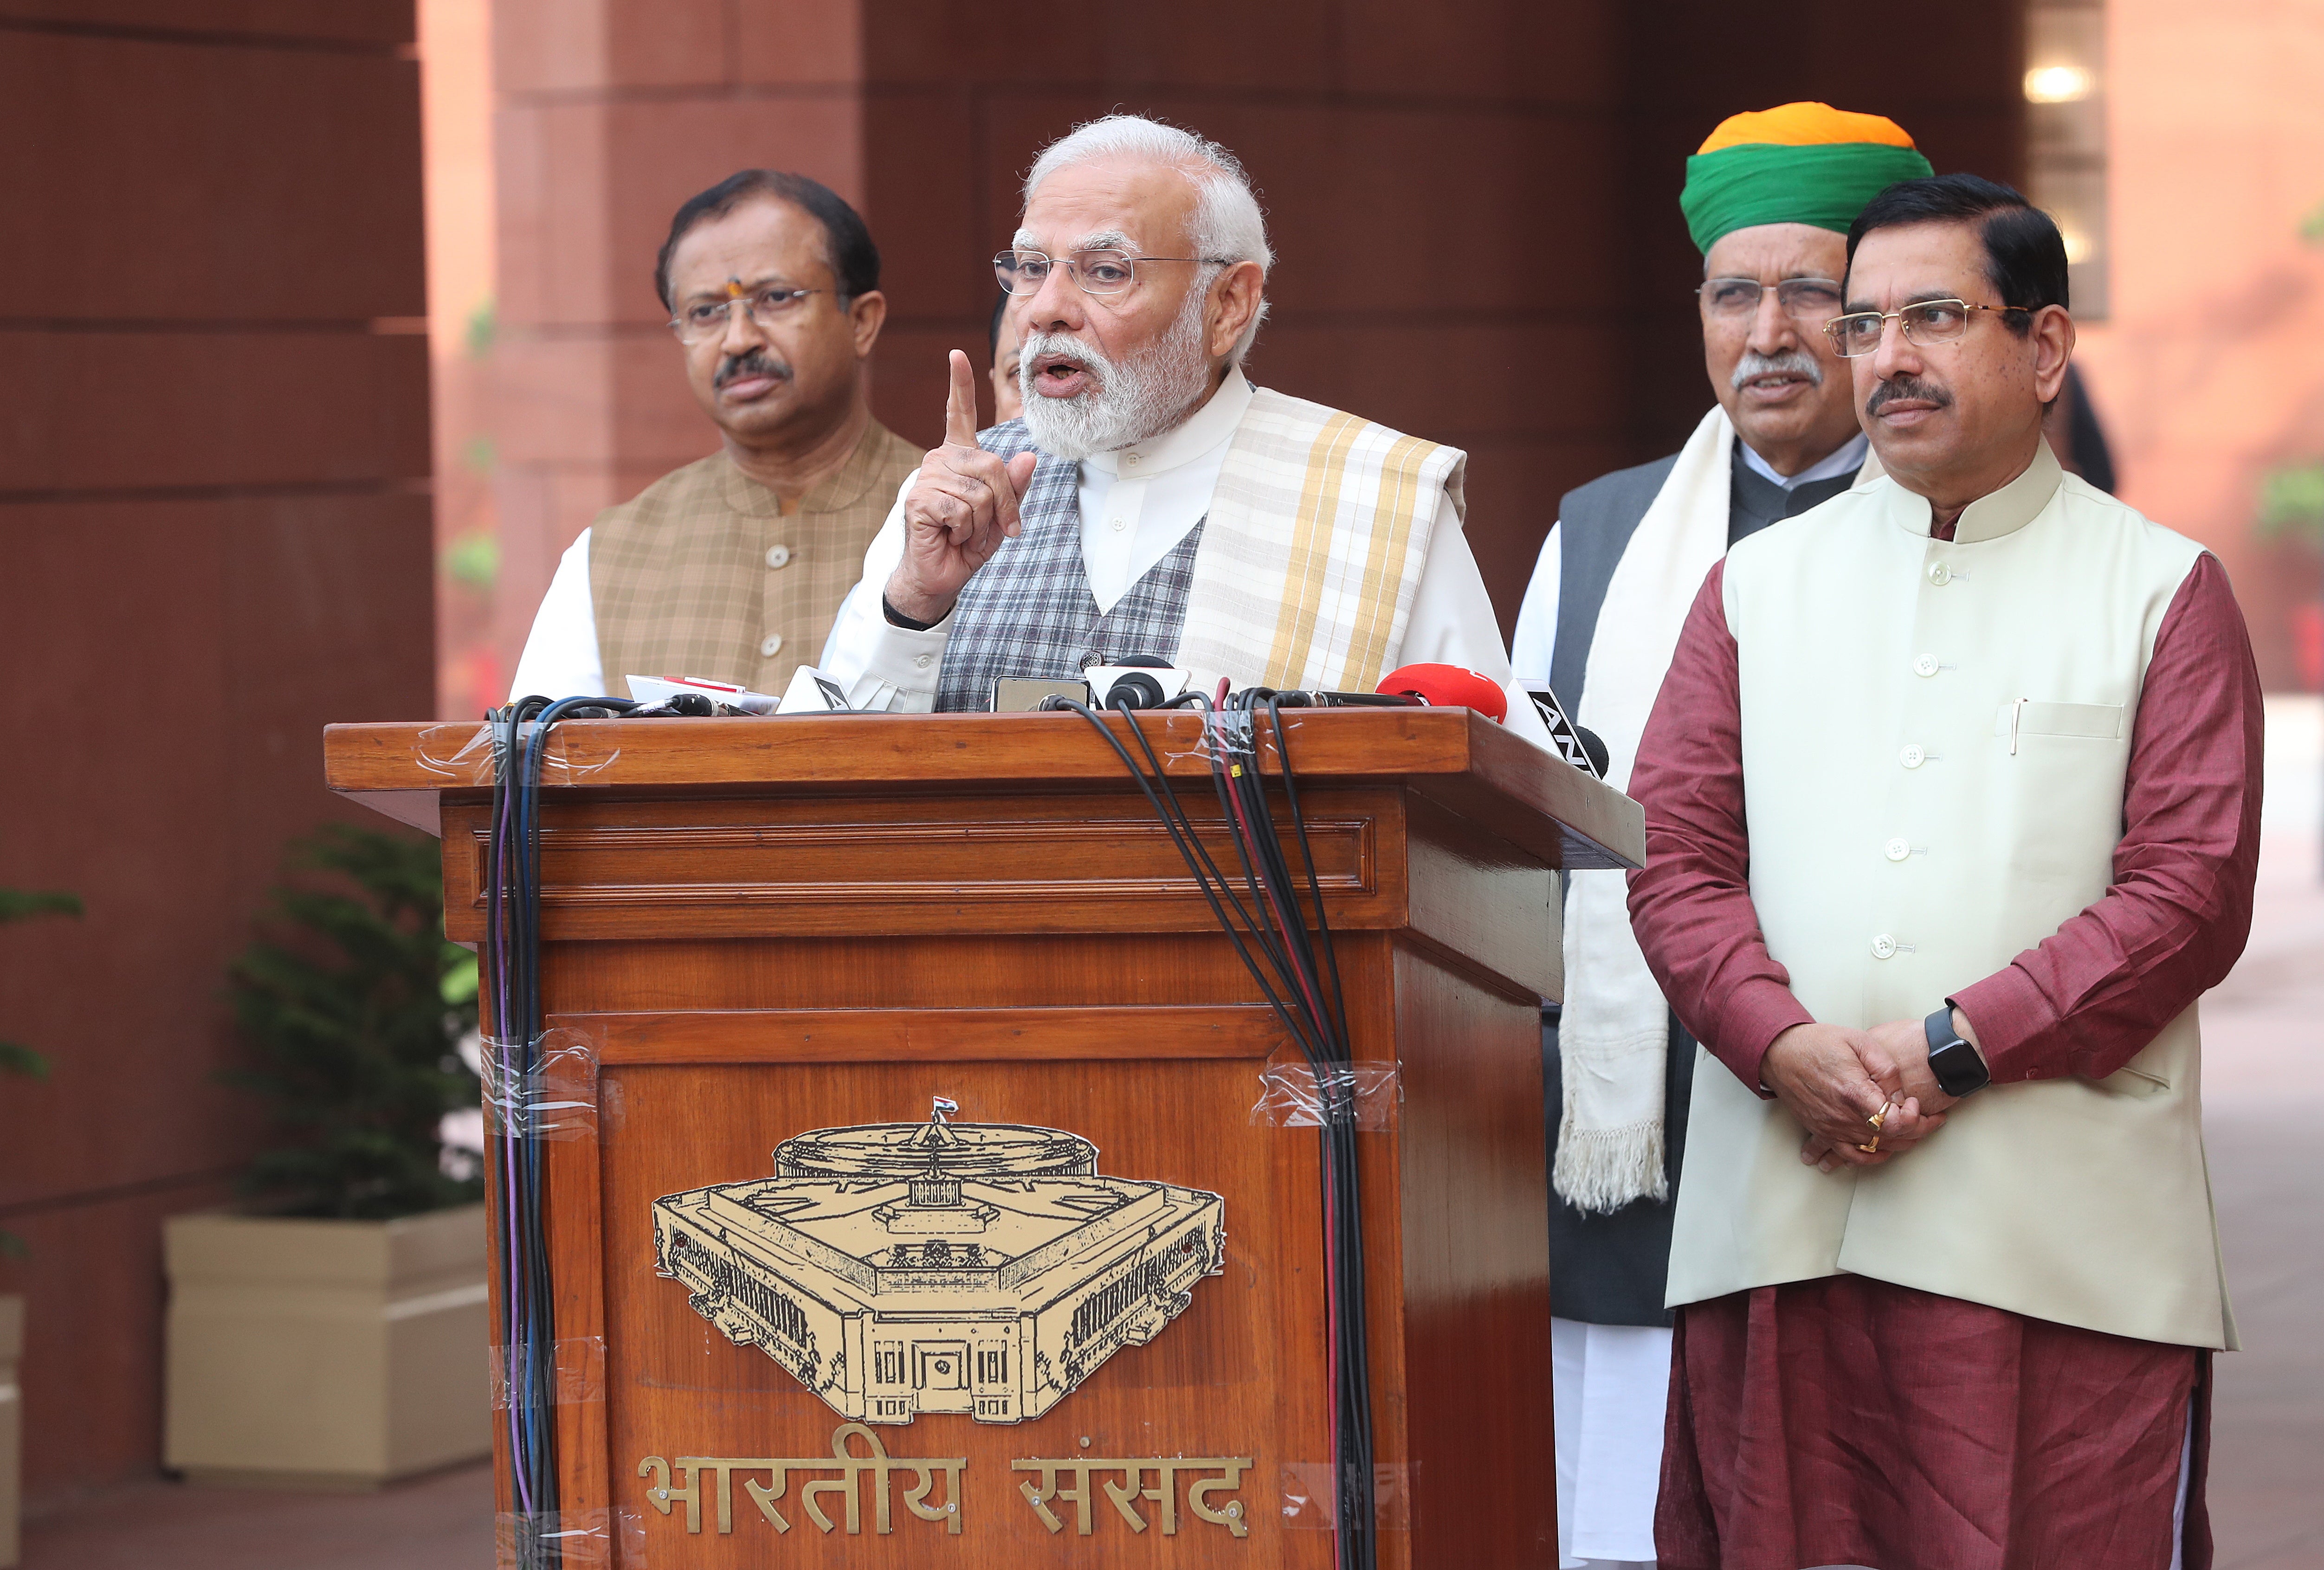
x=1611, y=1385
x=560, y=659
x=1135, y=505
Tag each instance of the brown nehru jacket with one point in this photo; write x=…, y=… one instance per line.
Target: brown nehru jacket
x=702, y=575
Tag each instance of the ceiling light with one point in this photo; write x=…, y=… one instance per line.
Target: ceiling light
x=2059, y=84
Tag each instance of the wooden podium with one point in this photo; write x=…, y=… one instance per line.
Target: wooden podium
x=1104, y=1347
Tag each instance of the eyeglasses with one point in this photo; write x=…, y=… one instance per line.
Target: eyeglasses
x=1098, y=272
x=1926, y=322
x=704, y=319
x=1734, y=298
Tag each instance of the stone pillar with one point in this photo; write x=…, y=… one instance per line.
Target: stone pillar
x=213, y=487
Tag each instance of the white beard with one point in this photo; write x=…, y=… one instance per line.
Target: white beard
x=1130, y=402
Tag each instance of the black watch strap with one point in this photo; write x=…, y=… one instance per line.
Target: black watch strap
x=898, y=619
x=1959, y=1068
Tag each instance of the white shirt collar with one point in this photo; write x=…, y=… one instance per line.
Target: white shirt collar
x=1208, y=428
x=1847, y=460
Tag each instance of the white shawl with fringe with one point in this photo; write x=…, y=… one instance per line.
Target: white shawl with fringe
x=1613, y=1031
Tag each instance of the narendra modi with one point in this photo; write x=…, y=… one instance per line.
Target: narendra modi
x=1151, y=501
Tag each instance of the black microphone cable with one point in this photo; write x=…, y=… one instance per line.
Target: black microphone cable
x=517, y=1168
x=1236, y=773
x=1273, y=941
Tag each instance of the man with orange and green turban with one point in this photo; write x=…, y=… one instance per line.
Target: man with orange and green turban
x=1768, y=199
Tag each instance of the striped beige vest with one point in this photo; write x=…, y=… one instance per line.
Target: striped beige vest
x=702, y=575
x=1935, y=739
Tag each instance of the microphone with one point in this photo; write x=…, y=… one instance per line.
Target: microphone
x=1134, y=681
x=1583, y=748
x=1594, y=749
x=1134, y=690
x=1449, y=686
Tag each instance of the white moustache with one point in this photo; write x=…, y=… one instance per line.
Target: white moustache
x=1063, y=347
x=1791, y=363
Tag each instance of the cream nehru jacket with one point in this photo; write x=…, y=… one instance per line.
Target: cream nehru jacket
x=1935, y=737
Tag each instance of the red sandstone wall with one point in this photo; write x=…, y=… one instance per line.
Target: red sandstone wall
x=213, y=458
x=2211, y=372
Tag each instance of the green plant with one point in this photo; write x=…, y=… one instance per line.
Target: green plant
x=2292, y=503
x=474, y=560
x=353, y=1006
x=21, y=905
x=484, y=326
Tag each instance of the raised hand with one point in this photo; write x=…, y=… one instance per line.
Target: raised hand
x=959, y=509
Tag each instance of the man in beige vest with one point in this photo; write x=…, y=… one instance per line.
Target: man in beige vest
x=733, y=567
x=1952, y=801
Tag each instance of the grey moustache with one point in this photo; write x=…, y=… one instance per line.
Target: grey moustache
x=1791, y=363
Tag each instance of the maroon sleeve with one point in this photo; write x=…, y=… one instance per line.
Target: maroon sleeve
x=2089, y=996
x=1691, y=904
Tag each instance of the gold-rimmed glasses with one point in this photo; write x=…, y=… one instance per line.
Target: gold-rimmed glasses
x=1100, y=272
x=697, y=321
x=1923, y=323
x=1802, y=298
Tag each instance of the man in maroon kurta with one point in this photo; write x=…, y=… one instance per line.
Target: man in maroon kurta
x=1841, y=1412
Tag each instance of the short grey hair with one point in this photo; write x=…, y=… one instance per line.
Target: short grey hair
x=1228, y=225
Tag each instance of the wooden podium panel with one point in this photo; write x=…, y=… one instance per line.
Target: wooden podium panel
x=755, y=930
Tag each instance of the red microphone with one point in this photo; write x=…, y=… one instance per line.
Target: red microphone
x=1449, y=687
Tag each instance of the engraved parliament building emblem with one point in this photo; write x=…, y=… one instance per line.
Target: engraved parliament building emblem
x=899, y=1268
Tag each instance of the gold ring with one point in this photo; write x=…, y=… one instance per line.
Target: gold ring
x=1876, y=1119
x=1872, y=1149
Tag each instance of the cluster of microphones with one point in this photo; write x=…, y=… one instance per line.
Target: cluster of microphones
x=1137, y=682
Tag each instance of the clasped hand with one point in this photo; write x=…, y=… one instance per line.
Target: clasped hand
x=962, y=505
x=1835, y=1080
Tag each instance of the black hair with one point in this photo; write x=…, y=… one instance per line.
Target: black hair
x=855, y=259
x=2024, y=254
x=993, y=335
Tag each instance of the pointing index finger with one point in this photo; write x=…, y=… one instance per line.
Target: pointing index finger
x=960, y=408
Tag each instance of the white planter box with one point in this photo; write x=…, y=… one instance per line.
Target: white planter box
x=12, y=1428
x=325, y=1353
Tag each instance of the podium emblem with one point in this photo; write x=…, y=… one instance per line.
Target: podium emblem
x=976, y=1267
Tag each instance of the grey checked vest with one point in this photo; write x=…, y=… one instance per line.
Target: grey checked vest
x=1028, y=612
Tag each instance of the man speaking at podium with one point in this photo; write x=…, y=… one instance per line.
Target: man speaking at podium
x=1150, y=501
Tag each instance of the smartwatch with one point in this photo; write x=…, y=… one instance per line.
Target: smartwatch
x=1955, y=1063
